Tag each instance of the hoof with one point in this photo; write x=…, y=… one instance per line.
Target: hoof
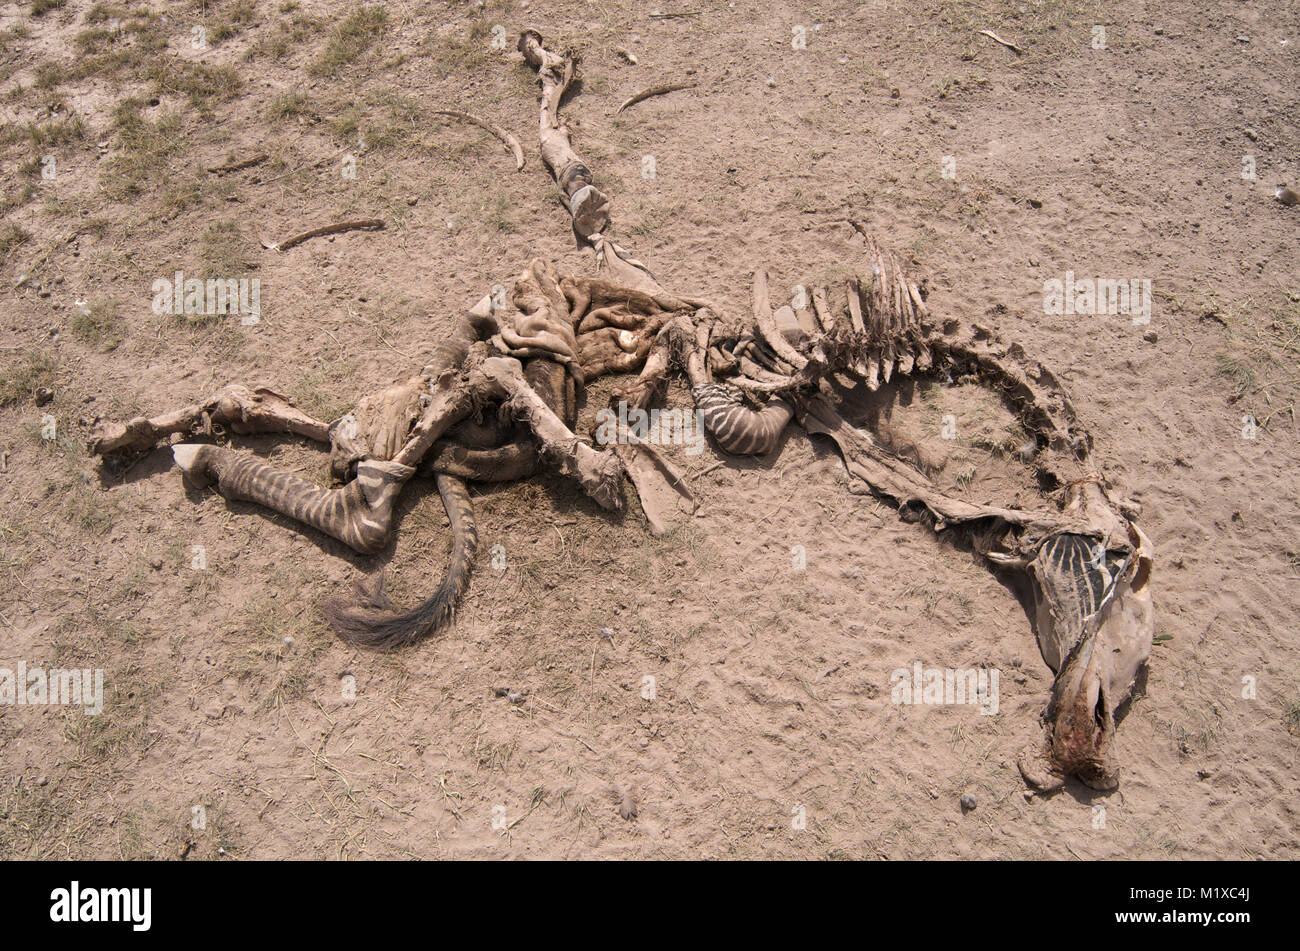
x=1039, y=771
x=189, y=457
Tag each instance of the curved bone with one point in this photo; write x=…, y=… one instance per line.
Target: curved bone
x=822, y=310
x=645, y=94
x=763, y=356
x=767, y=325
x=760, y=387
x=758, y=375
x=510, y=141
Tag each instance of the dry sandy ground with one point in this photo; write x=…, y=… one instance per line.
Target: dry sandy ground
x=226, y=691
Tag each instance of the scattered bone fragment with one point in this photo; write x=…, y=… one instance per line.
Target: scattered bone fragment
x=510, y=141
x=364, y=224
x=653, y=91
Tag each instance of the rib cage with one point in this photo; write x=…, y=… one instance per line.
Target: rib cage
x=872, y=331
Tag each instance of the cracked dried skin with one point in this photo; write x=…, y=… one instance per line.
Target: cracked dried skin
x=378, y=426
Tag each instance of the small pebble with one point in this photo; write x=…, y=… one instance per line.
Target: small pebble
x=968, y=802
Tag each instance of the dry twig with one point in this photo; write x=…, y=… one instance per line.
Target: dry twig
x=239, y=166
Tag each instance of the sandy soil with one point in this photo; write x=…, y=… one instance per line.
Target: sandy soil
x=227, y=727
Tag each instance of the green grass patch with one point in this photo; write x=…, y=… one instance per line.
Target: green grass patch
x=12, y=237
x=24, y=375
x=98, y=324
x=351, y=39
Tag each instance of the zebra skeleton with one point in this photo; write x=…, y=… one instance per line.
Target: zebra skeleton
x=500, y=394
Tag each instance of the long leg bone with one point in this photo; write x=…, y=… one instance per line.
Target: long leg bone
x=587, y=205
x=599, y=473
x=245, y=410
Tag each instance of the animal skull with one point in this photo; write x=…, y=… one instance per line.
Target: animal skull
x=1094, y=621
